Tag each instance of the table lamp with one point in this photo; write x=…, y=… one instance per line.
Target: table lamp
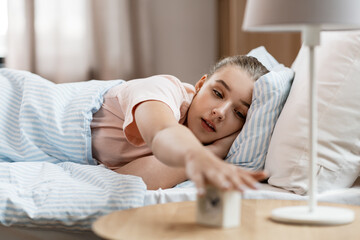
x=308, y=17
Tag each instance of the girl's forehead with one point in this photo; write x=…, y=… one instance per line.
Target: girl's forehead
x=236, y=81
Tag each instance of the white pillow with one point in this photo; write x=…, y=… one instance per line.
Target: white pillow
x=270, y=92
x=262, y=55
x=338, y=79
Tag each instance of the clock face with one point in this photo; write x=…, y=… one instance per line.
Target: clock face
x=211, y=204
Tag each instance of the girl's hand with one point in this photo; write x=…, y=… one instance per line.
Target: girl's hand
x=209, y=169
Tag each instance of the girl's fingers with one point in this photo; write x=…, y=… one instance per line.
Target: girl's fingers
x=224, y=177
x=196, y=177
x=235, y=179
x=249, y=181
x=231, y=177
x=217, y=179
x=200, y=184
x=251, y=178
x=260, y=175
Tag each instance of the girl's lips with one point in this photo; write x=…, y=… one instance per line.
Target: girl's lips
x=207, y=125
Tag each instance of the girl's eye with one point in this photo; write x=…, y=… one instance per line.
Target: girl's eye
x=218, y=94
x=239, y=114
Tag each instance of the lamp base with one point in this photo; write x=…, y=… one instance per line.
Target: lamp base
x=320, y=216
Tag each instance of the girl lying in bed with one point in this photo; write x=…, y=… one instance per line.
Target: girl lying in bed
x=166, y=131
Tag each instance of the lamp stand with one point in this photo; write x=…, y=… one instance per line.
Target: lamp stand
x=313, y=214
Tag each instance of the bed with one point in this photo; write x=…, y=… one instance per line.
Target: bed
x=60, y=193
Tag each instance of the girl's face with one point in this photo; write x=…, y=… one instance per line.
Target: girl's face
x=220, y=106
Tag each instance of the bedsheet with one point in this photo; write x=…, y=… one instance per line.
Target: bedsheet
x=48, y=177
x=64, y=195
x=187, y=192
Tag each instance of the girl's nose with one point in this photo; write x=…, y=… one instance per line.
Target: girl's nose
x=220, y=111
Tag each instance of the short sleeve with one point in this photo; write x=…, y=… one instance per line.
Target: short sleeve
x=164, y=88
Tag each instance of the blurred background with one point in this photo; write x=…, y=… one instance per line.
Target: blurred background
x=79, y=40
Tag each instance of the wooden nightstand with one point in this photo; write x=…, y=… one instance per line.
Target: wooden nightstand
x=177, y=221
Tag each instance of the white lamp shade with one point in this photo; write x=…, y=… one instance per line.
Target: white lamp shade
x=293, y=15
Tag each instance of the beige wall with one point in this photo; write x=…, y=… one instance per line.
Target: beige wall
x=132, y=38
x=283, y=46
x=68, y=41
x=181, y=37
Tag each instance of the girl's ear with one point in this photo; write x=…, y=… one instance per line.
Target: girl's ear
x=200, y=83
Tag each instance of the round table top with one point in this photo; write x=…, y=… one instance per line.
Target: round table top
x=178, y=221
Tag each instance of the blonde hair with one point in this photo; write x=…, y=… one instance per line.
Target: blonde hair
x=251, y=65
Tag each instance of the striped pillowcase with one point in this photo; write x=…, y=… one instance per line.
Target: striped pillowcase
x=270, y=93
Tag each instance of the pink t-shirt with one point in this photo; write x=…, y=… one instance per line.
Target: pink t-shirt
x=115, y=137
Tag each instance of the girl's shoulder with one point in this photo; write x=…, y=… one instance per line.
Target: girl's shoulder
x=155, y=84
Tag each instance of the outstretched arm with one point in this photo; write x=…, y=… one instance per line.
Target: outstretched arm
x=154, y=173
x=175, y=145
x=158, y=175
